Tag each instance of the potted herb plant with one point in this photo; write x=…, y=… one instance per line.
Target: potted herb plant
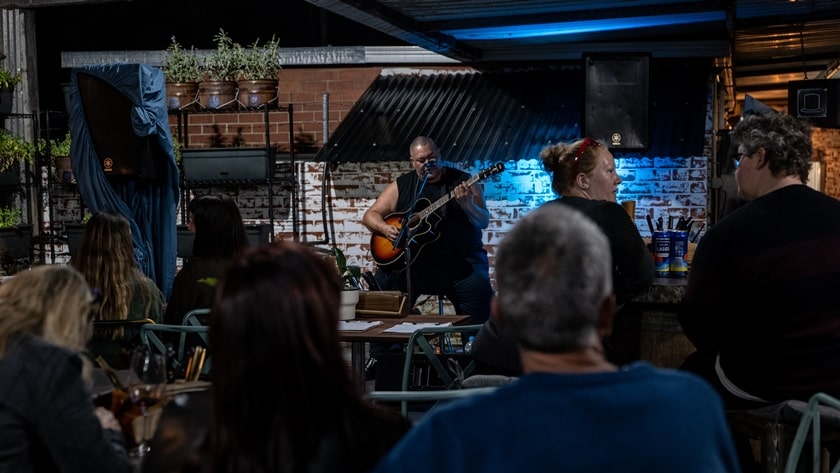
x=220, y=71
x=8, y=81
x=258, y=67
x=59, y=153
x=15, y=238
x=14, y=150
x=182, y=72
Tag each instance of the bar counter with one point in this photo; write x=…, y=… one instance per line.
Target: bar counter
x=648, y=328
x=663, y=291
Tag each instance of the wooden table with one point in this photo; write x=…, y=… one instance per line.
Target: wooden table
x=378, y=334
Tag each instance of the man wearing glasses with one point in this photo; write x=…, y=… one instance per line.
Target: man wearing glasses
x=447, y=254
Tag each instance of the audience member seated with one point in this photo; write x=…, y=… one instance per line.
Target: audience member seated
x=283, y=398
x=760, y=305
x=106, y=260
x=583, y=176
x=571, y=410
x=48, y=420
x=219, y=236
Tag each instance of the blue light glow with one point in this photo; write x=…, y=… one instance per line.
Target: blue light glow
x=575, y=27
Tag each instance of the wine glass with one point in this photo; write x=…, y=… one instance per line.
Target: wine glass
x=146, y=386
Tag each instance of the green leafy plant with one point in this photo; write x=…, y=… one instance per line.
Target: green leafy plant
x=349, y=274
x=9, y=217
x=14, y=149
x=56, y=148
x=259, y=61
x=8, y=79
x=176, y=148
x=181, y=65
x=223, y=63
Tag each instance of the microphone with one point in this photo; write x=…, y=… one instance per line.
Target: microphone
x=431, y=164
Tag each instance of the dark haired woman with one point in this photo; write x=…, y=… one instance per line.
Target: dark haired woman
x=283, y=397
x=220, y=235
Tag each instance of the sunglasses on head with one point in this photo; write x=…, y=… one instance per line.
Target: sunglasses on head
x=587, y=142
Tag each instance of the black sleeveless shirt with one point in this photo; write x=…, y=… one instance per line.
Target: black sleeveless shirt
x=456, y=236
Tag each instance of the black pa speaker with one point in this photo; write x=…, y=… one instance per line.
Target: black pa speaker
x=815, y=101
x=617, y=100
x=122, y=153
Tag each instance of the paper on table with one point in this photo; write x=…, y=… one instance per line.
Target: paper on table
x=357, y=325
x=409, y=327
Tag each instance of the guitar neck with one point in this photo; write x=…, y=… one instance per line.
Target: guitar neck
x=442, y=201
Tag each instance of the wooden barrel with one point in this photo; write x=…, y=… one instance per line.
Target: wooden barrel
x=662, y=341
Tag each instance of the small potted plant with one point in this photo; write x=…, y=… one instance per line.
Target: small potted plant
x=182, y=72
x=15, y=238
x=257, y=79
x=220, y=72
x=8, y=81
x=14, y=150
x=350, y=276
x=59, y=152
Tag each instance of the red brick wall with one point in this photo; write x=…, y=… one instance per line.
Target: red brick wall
x=304, y=89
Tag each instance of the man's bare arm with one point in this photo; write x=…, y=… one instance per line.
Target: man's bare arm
x=386, y=204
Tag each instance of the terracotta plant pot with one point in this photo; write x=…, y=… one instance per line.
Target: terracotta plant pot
x=216, y=94
x=256, y=93
x=63, y=171
x=181, y=95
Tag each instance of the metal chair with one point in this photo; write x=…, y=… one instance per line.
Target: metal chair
x=152, y=336
x=422, y=339
x=436, y=396
x=197, y=318
x=822, y=411
x=782, y=429
x=114, y=340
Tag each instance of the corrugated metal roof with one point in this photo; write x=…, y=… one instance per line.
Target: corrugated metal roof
x=762, y=44
x=508, y=114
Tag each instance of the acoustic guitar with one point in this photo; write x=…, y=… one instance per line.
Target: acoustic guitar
x=421, y=226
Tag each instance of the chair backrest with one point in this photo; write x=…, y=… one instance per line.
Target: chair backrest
x=422, y=338
x=152, y=335
x=198, y=318
x=821, y=419
x=436, y=396
x=114, y=340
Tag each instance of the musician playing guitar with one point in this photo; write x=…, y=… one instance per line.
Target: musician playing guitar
x=447, y=255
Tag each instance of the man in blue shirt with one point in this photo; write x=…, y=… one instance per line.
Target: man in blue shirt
x=571, y=410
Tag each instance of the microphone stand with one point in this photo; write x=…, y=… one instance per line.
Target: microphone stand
x=405, y=232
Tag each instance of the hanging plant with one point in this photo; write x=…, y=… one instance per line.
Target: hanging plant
x=14, y=150
x=8, y=79
x=9, y=217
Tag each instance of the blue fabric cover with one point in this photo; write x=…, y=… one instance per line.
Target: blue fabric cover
x=151, y=209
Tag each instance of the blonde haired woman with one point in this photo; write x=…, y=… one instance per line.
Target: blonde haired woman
x=48, y=420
